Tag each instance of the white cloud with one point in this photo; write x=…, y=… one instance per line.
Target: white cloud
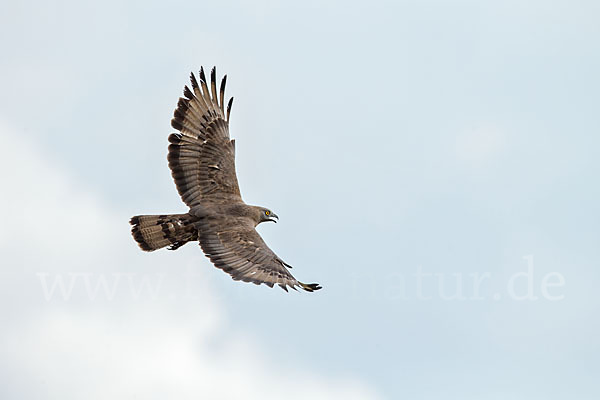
x=147, y=349
x=74, y=356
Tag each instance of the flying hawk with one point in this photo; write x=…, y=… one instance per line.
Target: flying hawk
x=202, y=161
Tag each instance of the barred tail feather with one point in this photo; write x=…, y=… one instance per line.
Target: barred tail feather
x=153, y=232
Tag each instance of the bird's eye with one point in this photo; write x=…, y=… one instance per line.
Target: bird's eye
x=267, y=213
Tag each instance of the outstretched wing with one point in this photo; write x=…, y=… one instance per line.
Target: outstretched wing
x=201, y=156
x=234, y=246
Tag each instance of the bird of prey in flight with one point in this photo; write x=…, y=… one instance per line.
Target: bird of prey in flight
x=202, y=162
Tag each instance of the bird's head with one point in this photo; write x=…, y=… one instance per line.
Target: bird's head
x=267, y=215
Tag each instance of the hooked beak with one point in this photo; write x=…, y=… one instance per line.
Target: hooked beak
x=273, y=217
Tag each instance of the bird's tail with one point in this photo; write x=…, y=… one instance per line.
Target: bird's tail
x=153, y=232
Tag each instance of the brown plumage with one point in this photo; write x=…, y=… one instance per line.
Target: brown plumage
x=202, y=161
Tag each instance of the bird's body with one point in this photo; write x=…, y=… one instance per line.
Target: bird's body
x=202, y=161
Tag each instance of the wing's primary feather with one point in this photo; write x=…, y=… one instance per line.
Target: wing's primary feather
x=235, y=246
x=222, y=95
x=201, y=156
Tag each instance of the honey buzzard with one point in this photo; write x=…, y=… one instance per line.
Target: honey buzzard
x=202, y=161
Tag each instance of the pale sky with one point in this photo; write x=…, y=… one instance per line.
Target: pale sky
x=434, y=165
